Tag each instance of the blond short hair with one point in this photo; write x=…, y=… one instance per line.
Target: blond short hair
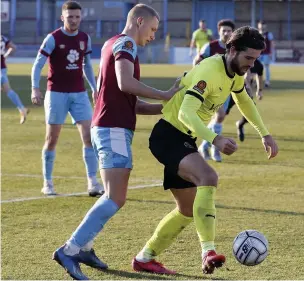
x=142, y=10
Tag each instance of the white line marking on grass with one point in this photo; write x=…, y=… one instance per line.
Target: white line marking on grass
x=70, y=177
x=156, y=184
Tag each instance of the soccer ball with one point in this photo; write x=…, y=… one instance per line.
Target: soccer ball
x=250, y=247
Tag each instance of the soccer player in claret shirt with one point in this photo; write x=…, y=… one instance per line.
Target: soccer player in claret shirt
x=267, y=53
x=68, y=52
x=7, y=47
x=113, y=126
x=172, y=142
x=225, y=28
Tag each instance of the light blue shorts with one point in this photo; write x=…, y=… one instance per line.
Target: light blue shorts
x=112, y=147
x=226, y=104
x=265, y=59
x=57, y=105
x=4, y=78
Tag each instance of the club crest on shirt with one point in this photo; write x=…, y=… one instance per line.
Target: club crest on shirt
x=62, y=46
x=81, y=45
x=128, y=46
x=200, y=86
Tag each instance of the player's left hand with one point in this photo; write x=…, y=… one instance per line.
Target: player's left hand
x=175, y=88
x=270, y=146
x=94, y=96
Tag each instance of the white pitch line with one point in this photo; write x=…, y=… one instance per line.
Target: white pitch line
x=156, y=184
x=69, y=177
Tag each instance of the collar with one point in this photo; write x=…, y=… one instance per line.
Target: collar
x=226, y=69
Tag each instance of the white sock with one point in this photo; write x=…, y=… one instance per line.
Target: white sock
x=93, y=180
x=71, y=249
x=207, y=246
x=87, y=247
x=145, y=255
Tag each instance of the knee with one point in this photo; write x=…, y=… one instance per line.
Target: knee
x=220, y=117
x=86, y=138
x=119, y=201
x=187, y=211
x=209, y=178
x=50, y=142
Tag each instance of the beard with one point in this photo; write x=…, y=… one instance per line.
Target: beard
x=235, y=67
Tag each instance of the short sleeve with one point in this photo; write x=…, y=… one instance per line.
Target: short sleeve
x=205, y=51
x=209, y=32
x=125, y=47
x=89, y=46
x=6, y=40
x=270, y=36
x=48, y=45
x=194, y=35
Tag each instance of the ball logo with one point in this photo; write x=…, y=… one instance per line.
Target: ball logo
x=200, y=86
x=128, y=46
x=73, y=56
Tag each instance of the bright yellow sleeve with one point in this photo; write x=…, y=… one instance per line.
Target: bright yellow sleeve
x=194, y=35
x=188, y=116
x=248, y=109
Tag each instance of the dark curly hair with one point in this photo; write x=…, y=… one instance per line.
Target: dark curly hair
x=246, y=37
x=225, y=22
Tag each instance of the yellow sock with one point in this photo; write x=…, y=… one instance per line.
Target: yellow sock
x=165, y=233
x=204, y=216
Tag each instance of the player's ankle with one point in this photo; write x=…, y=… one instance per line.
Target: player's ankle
x=71, y=249
x=145, y=255
x=207, y=246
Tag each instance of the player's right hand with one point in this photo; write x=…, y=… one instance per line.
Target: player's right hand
x=173, y=90
x=226, y=145
x=36, y=96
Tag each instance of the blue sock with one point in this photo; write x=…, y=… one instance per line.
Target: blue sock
x=94, y=221
x=206, y=145
x=48, y=157
x=267, y=68
x=15, y=99
x=90, y=161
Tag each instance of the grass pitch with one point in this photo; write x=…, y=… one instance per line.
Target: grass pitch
x=253, y=193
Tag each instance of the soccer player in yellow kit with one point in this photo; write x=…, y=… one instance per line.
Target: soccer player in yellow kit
x=188, y=176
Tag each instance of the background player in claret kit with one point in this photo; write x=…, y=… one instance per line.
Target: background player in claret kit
x=266, y=56
x=225, y=28
x=113, y=126
x=173, y=143
x=67, y=49
x=7, y=47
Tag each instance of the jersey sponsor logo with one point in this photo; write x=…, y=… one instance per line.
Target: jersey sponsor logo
x=81, y=45
x=62, y=46
x=128, y=46
x=200, y=86
x=72, y=57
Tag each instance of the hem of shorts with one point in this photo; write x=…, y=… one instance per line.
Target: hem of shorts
x=116, y=167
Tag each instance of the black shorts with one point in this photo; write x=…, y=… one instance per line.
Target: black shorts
x=258, y=68
x=169, y=146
